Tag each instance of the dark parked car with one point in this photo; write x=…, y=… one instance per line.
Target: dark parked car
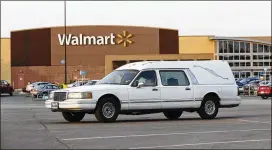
x=44, y=90
x=91, y=82
x=247, y=80
x=6, y=88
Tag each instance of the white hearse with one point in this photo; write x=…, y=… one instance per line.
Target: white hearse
x=170, y=87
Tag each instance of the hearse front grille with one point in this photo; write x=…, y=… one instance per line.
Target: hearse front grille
x=59, y=96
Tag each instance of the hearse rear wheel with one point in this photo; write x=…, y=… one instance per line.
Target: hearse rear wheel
x=174, y=114
x=107, y=110
x=73, y=116
x=208, y=108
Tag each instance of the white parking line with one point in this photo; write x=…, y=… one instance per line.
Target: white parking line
x=161, y=134
x=180, y=145
x=269, y=122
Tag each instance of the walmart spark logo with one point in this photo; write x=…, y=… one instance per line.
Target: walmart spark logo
x=124, y=38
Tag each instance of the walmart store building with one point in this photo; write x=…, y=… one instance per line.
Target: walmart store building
x=37, y=54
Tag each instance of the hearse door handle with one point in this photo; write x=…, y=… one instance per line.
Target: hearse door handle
x=154, y=89
x=187, y=88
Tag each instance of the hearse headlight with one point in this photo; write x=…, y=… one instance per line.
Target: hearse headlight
x=80, y=95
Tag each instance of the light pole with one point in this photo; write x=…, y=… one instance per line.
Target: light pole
x=265, y=69
x=65, y=62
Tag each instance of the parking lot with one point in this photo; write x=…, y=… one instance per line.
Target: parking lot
x=26, y=124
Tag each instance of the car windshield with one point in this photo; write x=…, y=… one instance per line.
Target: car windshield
x=120, y=77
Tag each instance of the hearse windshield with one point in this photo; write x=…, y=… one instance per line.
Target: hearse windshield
x=120, y=77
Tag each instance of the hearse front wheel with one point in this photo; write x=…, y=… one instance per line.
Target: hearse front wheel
x=107, y=110
x=172, y=114
x=208, y=108
x=73, y=116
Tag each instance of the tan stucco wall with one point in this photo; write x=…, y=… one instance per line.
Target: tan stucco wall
x=5, y=59
x=196, y=45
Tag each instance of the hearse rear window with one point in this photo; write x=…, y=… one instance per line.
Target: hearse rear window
x=174, y=78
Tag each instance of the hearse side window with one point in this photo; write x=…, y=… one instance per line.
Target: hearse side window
x=174, y=78
x=149, y=78
x=193, y=78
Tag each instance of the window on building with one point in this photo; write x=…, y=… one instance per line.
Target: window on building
x=220, y=46
x=255, y=63
x=242, y=47
x=230, y=46
x=231, y=64
x=260, y=48
x=266, y=49
x=236, y=64
x=242, y=64
x=255, y=57
x=261, y=64
x=256, y=74
x=255, y=48
x=221, y=58
x=266, y=63
x=236, y=57
x=266, y=57
x=242, y=75
x=226, y=57
x=247, y=47
x=226, y=47
x=242, y=57
x=247, y=57
x=247, y=74
x=236, y=47
x=260, y=57
x=231, y=57
x=270, y=63
x=248, y=64
x=270, y=50
x=236, y=75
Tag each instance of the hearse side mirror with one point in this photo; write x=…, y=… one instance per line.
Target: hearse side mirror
x=140, y=84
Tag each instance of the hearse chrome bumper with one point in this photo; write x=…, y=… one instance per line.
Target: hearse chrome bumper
x=231, y=101
x=74, y=104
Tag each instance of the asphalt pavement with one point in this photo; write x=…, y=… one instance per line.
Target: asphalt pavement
x=27, y=124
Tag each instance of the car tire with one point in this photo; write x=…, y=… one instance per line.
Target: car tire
x=107, y=110
x=209, y=108
x=172, y=115
x=264, y=97
x=11, y=93
x=73, y=116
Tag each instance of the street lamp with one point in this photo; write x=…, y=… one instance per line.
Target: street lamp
x=65, y=64
x=265, y=69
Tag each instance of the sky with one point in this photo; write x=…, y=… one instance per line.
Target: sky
x=220, y=18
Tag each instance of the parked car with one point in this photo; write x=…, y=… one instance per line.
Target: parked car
x=240, y=87
x=265, y=91
x=264, y=82
x=91, y=82
x=77, y=83
x=168, y=87
x=33, y=85
x=247, y=80
x=6, y=88
x=44, y=90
